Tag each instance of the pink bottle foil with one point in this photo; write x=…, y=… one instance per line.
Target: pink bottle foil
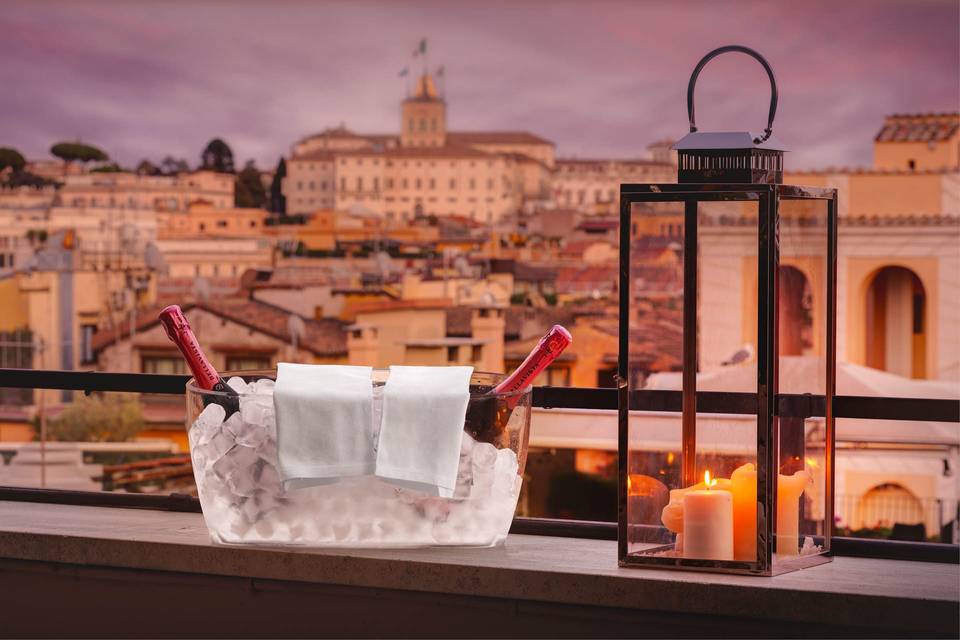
x=178, y=330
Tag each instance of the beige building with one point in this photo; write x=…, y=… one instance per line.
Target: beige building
x=155, y=193
x=426, y=170
x=593, y=186
x=203, y=219
x=921, y=141
x=63, y=303
x=212, y=257
x=414, y=332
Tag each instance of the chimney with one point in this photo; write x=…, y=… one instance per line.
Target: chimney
x=363, y=345
x=488, y=323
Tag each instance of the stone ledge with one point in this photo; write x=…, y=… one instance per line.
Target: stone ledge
x=883, y=594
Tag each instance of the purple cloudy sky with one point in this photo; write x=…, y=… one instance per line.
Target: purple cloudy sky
x=600, y=78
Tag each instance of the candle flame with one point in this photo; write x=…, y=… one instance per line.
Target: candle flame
x=707, y=480
x=670, y=457
x=812, y=463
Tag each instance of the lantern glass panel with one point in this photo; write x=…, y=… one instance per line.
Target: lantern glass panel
x=802, y=296
x=727, y=370
x=760, y=296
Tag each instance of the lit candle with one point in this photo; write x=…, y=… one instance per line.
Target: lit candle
x=789, y=490
x=743, y=485
x=708, y=522
x=672, y=514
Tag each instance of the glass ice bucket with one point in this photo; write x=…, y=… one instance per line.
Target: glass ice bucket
x=243, y=500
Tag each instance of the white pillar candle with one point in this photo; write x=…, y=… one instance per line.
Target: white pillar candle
x=789, y=490
x=708, y=524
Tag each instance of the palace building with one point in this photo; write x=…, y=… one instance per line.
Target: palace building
x=424, y=170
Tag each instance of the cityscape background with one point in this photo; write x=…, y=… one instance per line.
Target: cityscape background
x=372, y=184
x=602, y=79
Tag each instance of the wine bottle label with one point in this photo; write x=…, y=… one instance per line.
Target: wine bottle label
x=550, y=346
x=178, y=330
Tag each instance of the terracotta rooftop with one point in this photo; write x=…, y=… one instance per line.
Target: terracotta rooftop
x=520, y=322
x=925, y=127
x=322, y=337
x=292, y=278
x=377, y=306
x=586, y=278
x=599, y=224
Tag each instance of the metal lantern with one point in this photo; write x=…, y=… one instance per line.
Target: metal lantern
x=743, y=480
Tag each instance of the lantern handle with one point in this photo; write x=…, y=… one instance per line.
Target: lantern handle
x=759, y=58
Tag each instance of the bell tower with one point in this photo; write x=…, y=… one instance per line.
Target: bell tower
x=423, y=116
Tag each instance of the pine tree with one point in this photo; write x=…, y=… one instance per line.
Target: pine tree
x=278, y=202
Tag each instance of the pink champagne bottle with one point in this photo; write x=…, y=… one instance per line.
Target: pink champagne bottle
x=486, y=420
x=206, y=377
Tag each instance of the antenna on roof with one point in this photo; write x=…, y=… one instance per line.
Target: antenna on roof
x=297, y=328
x=201, y=289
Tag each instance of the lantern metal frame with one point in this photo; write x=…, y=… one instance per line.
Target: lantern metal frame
x=718, y=173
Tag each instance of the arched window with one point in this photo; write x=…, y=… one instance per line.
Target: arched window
x=796, y=312
x=886, y=505
x=423, y=124
x=896, y=323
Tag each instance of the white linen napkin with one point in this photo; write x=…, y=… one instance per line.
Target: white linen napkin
x=324, y=423
x=423, y=414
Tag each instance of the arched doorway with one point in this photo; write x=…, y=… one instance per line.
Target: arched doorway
x=796, y=312
x=896, y=323
x=886, y=505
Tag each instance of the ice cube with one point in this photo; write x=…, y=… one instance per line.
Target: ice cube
x=211, y=417
x=467, y=443
x=252, y=428
x=484, y=459
x=237, y=384
x=484, y=454
x=213, y=449
x=269, y=479
x=234, y=424
x=262, y=387
x=238, y=468
x=505, y=471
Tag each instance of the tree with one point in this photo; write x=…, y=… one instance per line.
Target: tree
x=77, y=152
x=147, y=168
x=171, y=166
x=278, y=201
x=249, y=190
x=98, y=419
x=27, y=179
x=112, y=167
x=217, y=156
x=11, y=159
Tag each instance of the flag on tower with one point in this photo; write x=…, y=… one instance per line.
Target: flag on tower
x=404, y=72
x=440, y=71
x=421, y=48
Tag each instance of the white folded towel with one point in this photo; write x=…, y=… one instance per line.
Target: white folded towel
x=324, y=423
x=423, y=413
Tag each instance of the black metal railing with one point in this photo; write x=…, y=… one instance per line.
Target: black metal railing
x=788, y=405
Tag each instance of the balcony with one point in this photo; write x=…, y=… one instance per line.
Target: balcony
x=125, y=552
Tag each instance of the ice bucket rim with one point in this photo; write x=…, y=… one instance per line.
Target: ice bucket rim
x=379, y=376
